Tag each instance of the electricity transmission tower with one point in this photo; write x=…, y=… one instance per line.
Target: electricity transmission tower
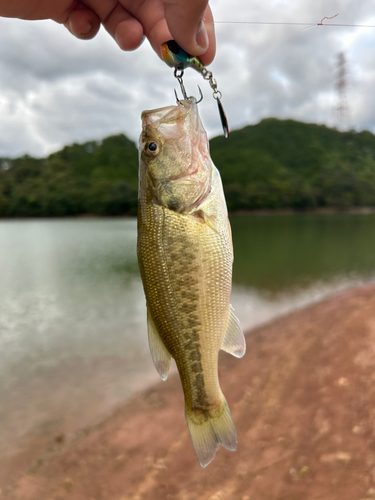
x=341, y=110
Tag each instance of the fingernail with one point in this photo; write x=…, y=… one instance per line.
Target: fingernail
x=201, y=37
x=86, y=29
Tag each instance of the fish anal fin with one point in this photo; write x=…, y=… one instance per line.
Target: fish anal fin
x=234, y=341
x=159, y=352
x=210, y=428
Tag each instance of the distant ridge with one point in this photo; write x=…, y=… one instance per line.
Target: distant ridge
x=276, y=164
x=289, y=164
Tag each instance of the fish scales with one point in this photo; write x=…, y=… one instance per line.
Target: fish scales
x=179, y=284
x=185, y=259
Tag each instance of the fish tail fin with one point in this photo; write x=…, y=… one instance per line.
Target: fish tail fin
x=208, y=428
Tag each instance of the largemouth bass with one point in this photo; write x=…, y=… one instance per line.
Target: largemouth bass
x=185, y=257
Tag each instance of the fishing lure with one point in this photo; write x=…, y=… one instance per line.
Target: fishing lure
x=175, y=57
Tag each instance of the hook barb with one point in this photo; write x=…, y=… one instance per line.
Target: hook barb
x=201, y=95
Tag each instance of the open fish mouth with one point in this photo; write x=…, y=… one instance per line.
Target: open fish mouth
x=185, y=111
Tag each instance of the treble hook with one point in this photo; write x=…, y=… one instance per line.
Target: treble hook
x=175, y=57
x=179, y=73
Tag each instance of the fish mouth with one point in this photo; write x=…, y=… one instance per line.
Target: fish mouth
x=171, y=122
x=168, y=114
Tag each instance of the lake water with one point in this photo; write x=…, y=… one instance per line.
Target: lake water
x=73, y=338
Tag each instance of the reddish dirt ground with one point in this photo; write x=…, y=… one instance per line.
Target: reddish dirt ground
x=302, y=401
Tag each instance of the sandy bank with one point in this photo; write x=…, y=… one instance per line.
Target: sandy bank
x=303, y=403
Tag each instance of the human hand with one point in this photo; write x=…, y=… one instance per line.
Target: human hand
x=189, y=22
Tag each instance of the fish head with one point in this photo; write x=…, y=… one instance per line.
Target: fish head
x=174, y=156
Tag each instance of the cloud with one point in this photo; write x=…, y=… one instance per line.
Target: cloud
x=55, y=90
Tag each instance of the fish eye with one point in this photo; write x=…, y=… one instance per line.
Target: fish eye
x=152, y=148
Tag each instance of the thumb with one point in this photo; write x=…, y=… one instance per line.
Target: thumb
x=191, y=25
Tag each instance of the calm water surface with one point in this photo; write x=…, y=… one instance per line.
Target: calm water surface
x=73, y=338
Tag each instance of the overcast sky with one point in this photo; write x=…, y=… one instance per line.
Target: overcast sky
x=56, y=90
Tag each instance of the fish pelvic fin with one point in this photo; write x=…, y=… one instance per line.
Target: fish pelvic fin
x=208, y=428
x=234, y=340
x=159, y=353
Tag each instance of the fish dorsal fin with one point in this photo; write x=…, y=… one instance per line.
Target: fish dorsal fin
x=234, y=340
x=159, y=353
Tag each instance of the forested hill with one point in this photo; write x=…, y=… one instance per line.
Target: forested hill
x=288, y=164
x=91, y=178
x=274, y=164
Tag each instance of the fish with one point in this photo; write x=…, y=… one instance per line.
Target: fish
x=185, y=256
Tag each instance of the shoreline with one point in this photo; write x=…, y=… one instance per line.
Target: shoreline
x=318, y=211
x=236, y=213
x=300, y=402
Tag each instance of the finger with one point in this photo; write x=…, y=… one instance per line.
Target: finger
x=185, y=22
x=124, y=28
x=83, y=23
x=209, y=55
x=157, y=31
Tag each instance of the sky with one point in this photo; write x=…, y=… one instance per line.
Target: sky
x=56, y=90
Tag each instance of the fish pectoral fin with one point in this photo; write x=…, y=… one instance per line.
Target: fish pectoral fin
x=234, y=341
x=159, y=353
x=210, y=220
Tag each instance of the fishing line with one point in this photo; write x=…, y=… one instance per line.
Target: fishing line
x=297, y=24
x=309, y=25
